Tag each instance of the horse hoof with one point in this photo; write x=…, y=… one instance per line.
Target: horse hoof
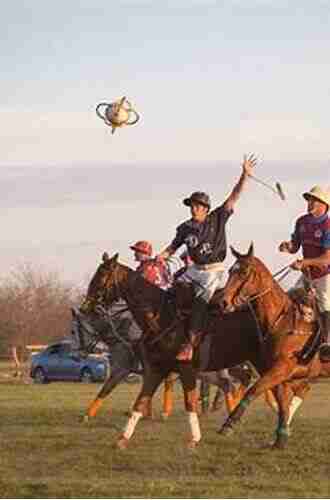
x=192, y=444
x=226, y=430
x=280, y=444
x=122, y=443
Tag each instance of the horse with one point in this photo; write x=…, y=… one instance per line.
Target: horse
x=288, y=351
x=235, y=339
x=164, y=334
x=112, y=330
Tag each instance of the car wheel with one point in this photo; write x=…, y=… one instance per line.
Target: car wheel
x=39, y=376
x=86, y=376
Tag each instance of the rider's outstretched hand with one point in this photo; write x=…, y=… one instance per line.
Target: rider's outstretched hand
x=249, y=162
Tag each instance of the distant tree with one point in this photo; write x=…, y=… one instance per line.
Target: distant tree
x=35, y=308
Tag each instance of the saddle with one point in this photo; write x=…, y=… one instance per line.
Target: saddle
x=182, y=295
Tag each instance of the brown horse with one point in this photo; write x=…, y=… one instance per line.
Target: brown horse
x=290, y=348
x=233, y=341
x=234, y=338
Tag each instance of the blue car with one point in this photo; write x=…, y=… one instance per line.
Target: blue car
x=60, y=362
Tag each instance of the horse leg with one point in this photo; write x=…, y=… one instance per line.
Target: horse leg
x=217, y=400
x=204, y=395
x=283, y=395
x=300, y=391
x=151, y=381
x=232, y=395
x=277, y=375
x=168, y=396
x=111, y=382
x=188, y=380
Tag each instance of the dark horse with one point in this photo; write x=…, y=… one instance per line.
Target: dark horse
x=234, y=338
x=290, y=347
x=112, y=330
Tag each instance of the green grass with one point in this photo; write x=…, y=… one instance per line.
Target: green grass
x=46, y=451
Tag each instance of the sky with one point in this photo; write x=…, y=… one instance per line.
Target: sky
x=211, y=79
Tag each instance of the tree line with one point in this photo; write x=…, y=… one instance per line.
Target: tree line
x=35, y=309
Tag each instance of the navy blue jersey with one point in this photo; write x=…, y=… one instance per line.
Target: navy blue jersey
x=206, y=241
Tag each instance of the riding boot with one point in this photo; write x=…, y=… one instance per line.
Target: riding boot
x=325, y=347
x=197, y=329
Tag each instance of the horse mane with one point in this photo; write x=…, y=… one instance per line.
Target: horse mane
x=267, y=275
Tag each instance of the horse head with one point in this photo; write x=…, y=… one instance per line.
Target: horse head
x=98, y=327
x=104, y=287
x=84, y=336
x=246, y=277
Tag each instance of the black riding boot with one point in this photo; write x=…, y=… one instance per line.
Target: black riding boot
x=196, y=330
x=325, y=348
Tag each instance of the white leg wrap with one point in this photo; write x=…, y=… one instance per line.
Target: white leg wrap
x=131, y=424
x=294, y=405
x=194, y=426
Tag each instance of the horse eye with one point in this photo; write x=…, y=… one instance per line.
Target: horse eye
x=244, y=271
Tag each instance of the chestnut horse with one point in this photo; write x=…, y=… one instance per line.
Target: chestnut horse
x=290, y=346
x=234, y=339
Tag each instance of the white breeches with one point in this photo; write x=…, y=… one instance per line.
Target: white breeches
x=209, y=280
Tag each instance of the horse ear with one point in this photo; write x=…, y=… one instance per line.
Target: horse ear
x=115, y=258
x=251, y=250
x=105, y=257
x=235, y=253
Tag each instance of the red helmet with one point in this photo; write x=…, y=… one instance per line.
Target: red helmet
x=143, y=247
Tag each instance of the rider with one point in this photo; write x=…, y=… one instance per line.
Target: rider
x=312, y=233
x=205, y=238
x=154, y=271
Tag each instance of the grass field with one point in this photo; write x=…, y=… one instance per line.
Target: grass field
x=46, y=451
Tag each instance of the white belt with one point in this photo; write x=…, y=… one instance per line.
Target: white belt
x=215, y=266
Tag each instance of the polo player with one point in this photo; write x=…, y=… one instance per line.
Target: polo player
x=154, y=271
x=312, y=234
x=205, y=238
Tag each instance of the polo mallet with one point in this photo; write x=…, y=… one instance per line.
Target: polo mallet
x=277, y=190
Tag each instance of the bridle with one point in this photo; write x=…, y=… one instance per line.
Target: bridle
x=284, y=271
x=248, y=300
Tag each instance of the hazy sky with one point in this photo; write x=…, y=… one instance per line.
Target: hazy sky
x=211, y=80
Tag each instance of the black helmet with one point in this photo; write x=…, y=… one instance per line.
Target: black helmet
x=198, y=197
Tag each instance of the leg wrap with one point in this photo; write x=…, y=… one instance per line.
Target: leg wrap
x=294, y=405
x=194, y=426
x=94, y=407
x=131, y=424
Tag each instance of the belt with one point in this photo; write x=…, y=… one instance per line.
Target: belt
x=215, y=266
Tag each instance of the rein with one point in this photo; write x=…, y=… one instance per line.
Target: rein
x=284, y=271
x=115, y=332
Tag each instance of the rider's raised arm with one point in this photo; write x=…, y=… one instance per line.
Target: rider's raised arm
x=247, y=166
